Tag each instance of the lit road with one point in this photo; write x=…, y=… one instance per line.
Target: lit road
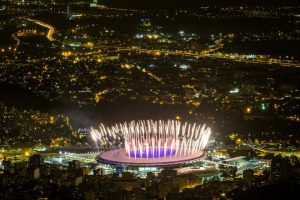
x=51, y=29
x=157, y=52
x=284, y=153
x=209, y=54
x=14, y=37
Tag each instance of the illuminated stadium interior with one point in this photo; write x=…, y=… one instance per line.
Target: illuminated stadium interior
x=151, y=143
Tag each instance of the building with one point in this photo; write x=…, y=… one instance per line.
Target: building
x=36, y=160
x=142, y=146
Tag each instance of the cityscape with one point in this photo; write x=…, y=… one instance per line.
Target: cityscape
x=149, y=99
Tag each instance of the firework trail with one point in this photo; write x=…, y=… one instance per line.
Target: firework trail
x=152, y=139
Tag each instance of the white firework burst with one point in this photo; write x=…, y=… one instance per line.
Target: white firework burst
x=152, y=139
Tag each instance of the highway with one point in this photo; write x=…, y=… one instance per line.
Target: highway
x=284, y=153
x=51, y=29
x=210, y=53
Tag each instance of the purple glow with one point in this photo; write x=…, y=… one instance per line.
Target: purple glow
x=120, y=157
x=154, y=139
x=157, y=153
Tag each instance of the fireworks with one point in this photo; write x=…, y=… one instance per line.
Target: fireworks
x=154, y=139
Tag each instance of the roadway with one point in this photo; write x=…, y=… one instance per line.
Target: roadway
x=51, y=29
x=284, y=153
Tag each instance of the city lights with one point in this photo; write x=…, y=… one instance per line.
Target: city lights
x=149, y=99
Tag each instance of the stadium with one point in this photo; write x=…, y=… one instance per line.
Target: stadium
x=148, y=143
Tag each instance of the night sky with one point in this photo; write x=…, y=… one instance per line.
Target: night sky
x=194, y=3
